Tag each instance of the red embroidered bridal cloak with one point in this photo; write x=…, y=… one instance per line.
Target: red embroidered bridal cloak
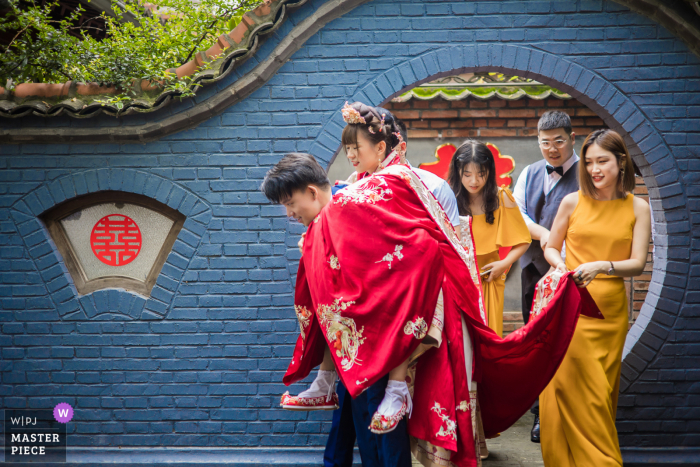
x=374, y=262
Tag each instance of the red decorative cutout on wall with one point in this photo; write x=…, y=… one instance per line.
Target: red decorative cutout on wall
x=443, y=154
x=116, y=240
x=505, y=165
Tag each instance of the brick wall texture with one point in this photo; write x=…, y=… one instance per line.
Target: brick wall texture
x=472, y=117
x=204, y=366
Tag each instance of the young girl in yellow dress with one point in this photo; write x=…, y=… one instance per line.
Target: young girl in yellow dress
x=606, y=230
x=496, y=222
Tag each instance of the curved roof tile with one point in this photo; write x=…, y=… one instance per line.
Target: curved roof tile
x=510, y=93
x=82, y=100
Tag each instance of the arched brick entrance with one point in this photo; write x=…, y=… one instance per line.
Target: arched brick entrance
x=649, y=150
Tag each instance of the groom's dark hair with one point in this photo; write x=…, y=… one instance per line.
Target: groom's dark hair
x=402, y=130
x=553, y=119
x=294, y=172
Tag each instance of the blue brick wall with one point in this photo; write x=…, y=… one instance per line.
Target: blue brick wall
x=205, y=367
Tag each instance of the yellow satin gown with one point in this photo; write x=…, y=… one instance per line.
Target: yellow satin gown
x=508, y=229
x=578, y=407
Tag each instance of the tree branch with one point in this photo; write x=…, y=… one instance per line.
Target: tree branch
x=7, y=49
x=199, y=41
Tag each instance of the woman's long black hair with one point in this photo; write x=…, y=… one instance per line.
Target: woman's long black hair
x=474, y=152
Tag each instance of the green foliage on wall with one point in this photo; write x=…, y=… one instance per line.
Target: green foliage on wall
x=138, y=41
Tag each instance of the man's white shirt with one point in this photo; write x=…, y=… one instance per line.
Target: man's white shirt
x=442, y=192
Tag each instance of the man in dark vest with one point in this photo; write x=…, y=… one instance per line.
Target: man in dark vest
x=540, y=188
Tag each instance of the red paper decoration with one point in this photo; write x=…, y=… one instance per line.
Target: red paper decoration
x=116, y=240
x=443, y=154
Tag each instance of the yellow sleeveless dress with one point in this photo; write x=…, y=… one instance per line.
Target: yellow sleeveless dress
x=508, y=229
x=578, y=407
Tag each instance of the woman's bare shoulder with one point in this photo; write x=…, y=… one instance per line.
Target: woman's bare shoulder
x=641, y=207
x=507, y=197
x=568, y=204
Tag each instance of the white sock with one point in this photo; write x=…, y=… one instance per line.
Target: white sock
x=396, y=392
x=323, y=385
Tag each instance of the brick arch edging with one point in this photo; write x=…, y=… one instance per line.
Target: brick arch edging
x=112, y=304
x=618, y=111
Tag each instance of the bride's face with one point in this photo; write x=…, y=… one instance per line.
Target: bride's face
x=365, y=156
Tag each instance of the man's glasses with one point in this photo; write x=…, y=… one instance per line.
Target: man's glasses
x=560, y=143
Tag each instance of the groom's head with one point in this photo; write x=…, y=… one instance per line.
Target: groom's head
x=300, y=184
x=555, y=137
x=402, y=131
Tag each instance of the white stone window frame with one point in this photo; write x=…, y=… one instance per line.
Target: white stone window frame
x=53, y=217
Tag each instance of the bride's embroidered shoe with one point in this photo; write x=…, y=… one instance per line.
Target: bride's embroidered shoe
x=309, y=403
x=387, y=417
x=382, y=424
x=320, y=396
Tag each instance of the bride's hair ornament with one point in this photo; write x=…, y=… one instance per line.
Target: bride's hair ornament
x=375, y=119
x=351, y=115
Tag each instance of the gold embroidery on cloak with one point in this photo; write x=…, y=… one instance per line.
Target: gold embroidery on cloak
x=341, y=332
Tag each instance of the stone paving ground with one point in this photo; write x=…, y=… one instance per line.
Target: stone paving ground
x=513, y=448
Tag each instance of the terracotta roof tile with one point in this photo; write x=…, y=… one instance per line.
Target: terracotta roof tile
x=80, y=100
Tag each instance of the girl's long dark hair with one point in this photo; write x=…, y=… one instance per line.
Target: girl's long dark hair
x=474, y=152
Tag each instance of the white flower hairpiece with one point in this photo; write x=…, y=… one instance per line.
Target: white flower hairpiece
x=351, y=115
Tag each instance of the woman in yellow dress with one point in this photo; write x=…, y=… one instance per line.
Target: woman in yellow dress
x=496, y=222
x=606, y=230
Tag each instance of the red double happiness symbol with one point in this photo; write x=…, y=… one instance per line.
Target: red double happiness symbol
x=116, y=240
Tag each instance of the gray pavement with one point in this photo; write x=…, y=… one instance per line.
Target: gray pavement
x=513, y=448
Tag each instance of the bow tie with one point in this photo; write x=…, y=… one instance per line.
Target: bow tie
x=559, y=170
